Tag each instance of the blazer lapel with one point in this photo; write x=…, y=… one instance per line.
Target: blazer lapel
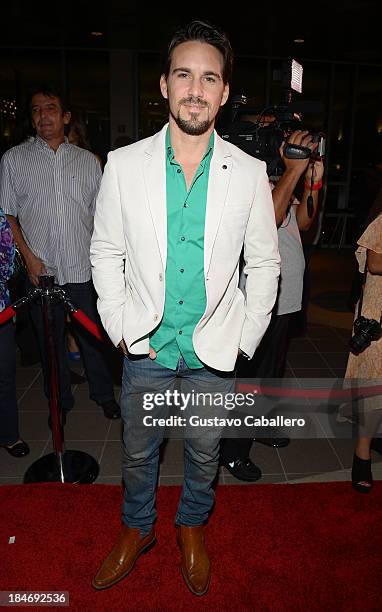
x=218, y=182
x=154, y=172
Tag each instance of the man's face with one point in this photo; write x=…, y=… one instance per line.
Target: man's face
x=47, y=117
x=194, y=87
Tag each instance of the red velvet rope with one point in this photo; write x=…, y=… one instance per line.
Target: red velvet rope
x=7, y=314
x=92, y=327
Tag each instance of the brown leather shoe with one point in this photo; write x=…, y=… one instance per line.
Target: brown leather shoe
x=195, y=563
x=123, y=557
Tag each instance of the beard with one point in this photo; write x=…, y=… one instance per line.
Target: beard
x=193, y=126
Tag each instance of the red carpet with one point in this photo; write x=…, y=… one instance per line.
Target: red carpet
x=272, y=548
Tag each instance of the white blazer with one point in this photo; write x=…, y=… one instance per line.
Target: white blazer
x=129, y=248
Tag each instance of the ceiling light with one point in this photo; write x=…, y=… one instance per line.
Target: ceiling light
x=299, y=41
x=95, y=33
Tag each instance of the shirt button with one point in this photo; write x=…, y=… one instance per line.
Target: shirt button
x=181, y=270
x=180, y=332
x=156, y=317
x=183, y=239
x=160, y=276
x=180, y=302
x=179, y=171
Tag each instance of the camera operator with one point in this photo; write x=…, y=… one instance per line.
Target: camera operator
x=292, y=217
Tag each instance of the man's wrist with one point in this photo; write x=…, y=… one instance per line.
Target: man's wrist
x=293, y=171
x=27, y=254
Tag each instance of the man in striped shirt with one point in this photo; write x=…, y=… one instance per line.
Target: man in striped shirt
x=48, y=190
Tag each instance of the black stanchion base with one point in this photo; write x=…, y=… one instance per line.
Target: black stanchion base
x=78, y=468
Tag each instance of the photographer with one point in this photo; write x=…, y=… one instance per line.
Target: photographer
x=365, y=363
x=270, y=357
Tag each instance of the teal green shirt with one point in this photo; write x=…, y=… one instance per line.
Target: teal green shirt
x=185, y=299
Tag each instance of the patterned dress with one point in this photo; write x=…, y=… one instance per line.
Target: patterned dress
x=368, y=364
x=7, y=256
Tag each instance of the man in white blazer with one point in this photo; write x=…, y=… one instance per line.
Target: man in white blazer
x=173, y=213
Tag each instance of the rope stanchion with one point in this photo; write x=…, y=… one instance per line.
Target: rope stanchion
x=62, y=465
x=46, y=283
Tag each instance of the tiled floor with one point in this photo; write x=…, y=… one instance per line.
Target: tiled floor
x=322, y=354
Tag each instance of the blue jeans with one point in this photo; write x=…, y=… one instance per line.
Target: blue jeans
x=141, y=444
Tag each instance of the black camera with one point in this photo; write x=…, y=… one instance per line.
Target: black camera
x=260, y=132
x=365, y=331
x=263, y=140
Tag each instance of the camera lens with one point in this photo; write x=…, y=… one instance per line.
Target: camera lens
x=359, y=342
x=365, y=330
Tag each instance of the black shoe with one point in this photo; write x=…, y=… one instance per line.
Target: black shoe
x=361, y=476
x=273, y=442
x=20, y=449
x=243, y=469
x=111, y=409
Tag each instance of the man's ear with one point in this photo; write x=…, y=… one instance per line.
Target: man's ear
x=163, y=86
x=225, y=94
x=67, y=116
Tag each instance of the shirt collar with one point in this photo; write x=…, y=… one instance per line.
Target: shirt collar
x=170, y=150
x=40, y=142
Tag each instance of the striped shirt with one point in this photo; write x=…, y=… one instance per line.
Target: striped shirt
x=54, y=196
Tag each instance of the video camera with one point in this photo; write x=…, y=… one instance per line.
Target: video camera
x=260, y=132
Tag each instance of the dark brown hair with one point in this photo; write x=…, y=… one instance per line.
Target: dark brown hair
x=50, y=91
x=202, y=31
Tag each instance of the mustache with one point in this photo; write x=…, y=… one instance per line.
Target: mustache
x=194, y=100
